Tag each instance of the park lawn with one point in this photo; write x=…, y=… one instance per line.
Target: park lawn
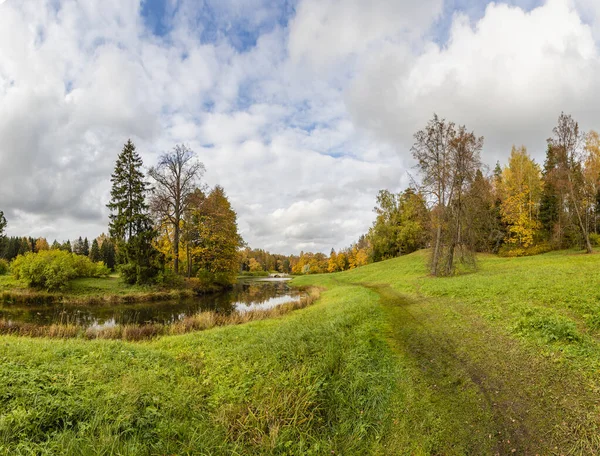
x=388, y=361
x=314, y=382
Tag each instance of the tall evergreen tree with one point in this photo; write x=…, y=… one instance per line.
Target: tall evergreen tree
x=2, y=224
x=108, y=254
x=95, y=252
x=130, y=222
x=86, y=247
x=129, y=210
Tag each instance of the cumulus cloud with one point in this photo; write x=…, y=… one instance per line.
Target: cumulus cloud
x=301, y=110
x=507, y=76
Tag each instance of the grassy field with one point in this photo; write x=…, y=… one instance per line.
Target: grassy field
x=388, y=361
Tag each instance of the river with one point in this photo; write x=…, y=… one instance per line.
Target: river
x=246, y=295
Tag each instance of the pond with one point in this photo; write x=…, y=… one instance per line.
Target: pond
x=258, y=294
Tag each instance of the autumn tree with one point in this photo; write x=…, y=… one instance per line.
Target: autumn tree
x=215, y=251
x=432, y=150
x=41, y=244
x=567, y=145
x=175, y=178
x=591, y=175
x=448, y=159
x=332, y=264
x=521, y=192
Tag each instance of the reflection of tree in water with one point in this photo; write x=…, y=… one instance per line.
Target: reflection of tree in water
x=243, y=294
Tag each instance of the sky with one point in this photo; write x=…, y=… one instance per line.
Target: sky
x=301, y=109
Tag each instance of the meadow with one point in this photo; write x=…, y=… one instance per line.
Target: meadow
x=388, y=361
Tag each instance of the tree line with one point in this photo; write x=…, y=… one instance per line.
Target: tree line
x=521, y=208
x=158, y=221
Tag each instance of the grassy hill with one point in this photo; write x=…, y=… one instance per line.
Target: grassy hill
x=388, y=361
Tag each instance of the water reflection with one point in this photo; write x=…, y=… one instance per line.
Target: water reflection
x=245, y=296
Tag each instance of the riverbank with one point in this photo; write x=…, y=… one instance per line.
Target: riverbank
x=135, y=332
x=102, y=290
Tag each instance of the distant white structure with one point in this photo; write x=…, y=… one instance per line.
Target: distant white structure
x=278, y=275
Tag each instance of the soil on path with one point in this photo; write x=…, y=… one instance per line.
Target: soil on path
x=486, y=392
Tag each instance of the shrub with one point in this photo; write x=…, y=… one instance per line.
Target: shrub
x=4, y=268
x=52, y=269
x=513, y=251
x=595, y=239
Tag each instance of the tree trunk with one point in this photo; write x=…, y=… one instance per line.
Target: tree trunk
x=176, y=247
x=436, y=249
x=586, y=237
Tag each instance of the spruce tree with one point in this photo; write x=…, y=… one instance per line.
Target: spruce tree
x=107, y=254
x=95, y=252
x=130, y=223
x=2, y=224
x=86, y=247
x=129, y=211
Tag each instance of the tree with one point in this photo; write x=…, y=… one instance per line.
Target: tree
x=66, y=246
x=130, y=222
x=95, y=252
x=332, y=264
x=401, y=225
x=484, y=228
x=567, y=144
x=176, y=177
x=448, y=159
x=55, y=245
x=2, y=224
x=41, y=244
x=254, y=266
x=78, y=246
x=86, y=247
x=108, y=254
x=215, y=251
x=591, y=174
x=432, y=150
x=521, y=192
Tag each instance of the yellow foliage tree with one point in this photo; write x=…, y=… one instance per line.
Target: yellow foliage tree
x=521, y=191
x=41, y=244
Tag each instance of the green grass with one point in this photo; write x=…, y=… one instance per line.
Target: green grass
x=315, y=382
x=388, y=361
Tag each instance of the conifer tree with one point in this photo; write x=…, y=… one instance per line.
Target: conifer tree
x=130, y=222
x=95, y=252
x=2, y=224
x=86, y=247
x=129, y=210
x=108, y=254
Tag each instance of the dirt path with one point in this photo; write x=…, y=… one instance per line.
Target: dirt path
x=486, y=393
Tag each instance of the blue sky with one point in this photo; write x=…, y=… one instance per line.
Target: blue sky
x=302, y=110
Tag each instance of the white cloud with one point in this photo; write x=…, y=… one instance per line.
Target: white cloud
x=508, y=76
x=326, y=31
x=301, y=129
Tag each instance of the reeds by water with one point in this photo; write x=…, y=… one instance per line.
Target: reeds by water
x=136, y=332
